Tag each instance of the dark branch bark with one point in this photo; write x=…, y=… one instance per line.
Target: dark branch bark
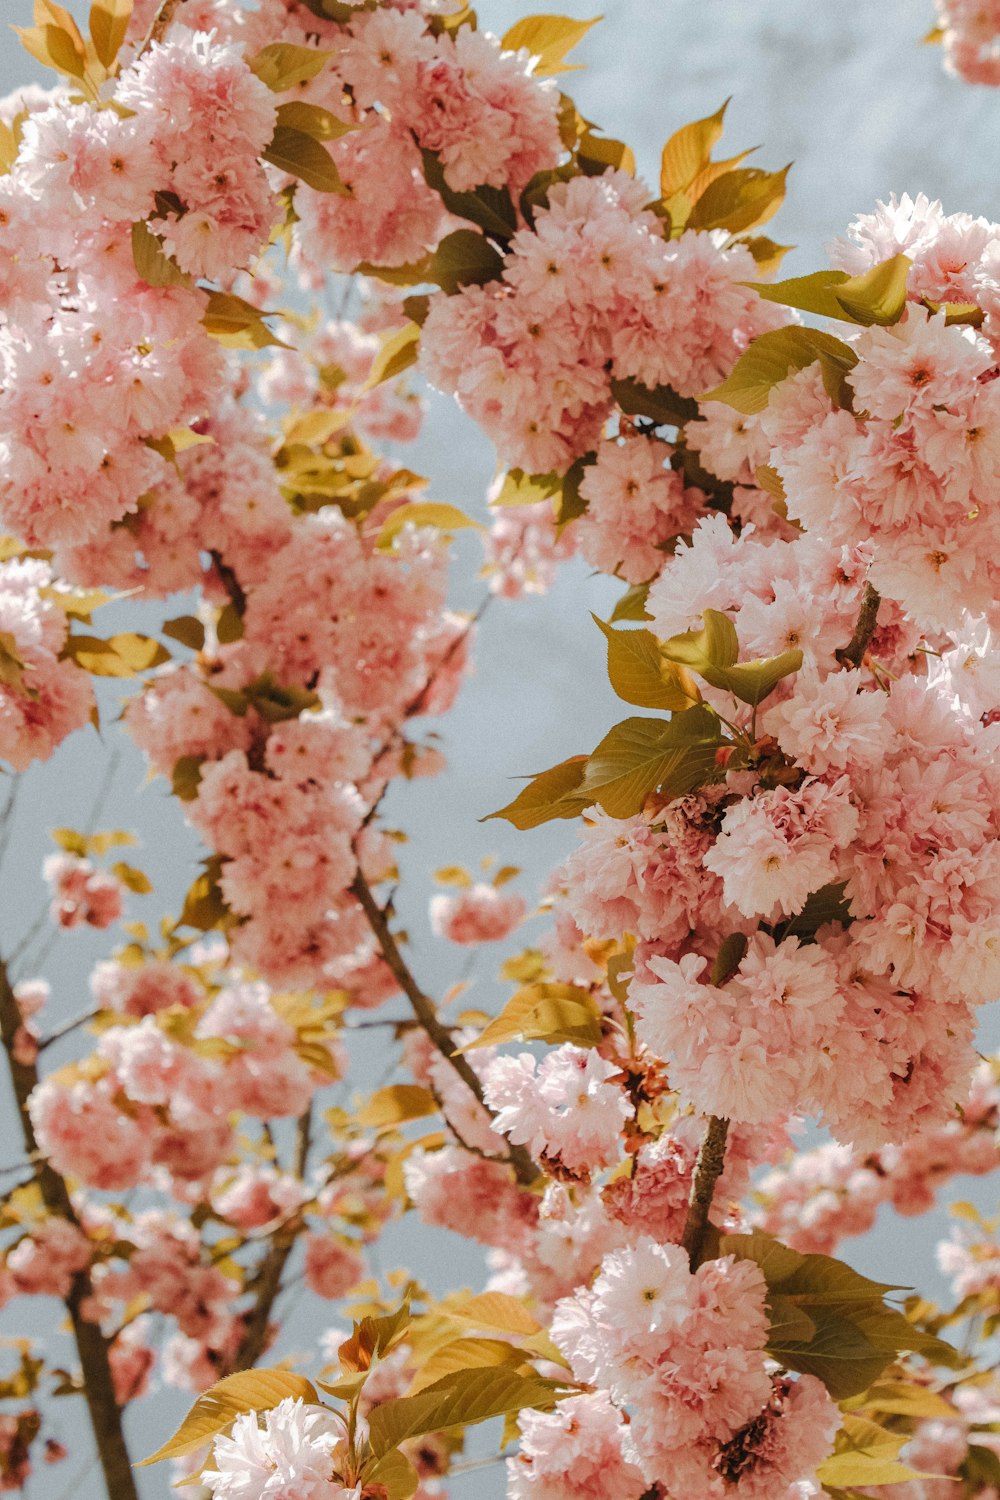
x=92, y=1346
x=853, y=654
x=707, y=1171
x=164, y=16
x=268, y=1279
x=426, y=1013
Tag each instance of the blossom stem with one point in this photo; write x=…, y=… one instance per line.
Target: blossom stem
x=164, y=17
x=426, y=1013
x=707, y=1171
x=92, y=1346
x=853, y=653
x=267, y=1282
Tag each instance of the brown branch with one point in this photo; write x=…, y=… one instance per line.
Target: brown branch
x=707, y=1171
x=92, y=1346
x=426, y=1013
x=230, y=583
x=161, y=25
x=267, y=1281
x=853, y=654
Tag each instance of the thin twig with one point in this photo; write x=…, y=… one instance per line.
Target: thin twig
x=67, y=1027
x=161, y=24
x=707, y=1171
x=426, y=1013
x=853, y=654
x=7, y=817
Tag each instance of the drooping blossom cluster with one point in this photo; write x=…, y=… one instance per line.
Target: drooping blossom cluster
x=43, y=696
x=970, y=34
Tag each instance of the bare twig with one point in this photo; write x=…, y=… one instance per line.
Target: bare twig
x=707, y=1171
x=426, y=1013
x=67, y=1028
x=853, y=654
x=92, y=1346
x=161, y=25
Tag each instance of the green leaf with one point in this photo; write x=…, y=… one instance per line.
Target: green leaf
x=739, y=200
x=273, y=701
x=393, y=1472
x=712, y=652
x=132, y=878
x=119, y=656
x=13, y=666
x=153, y=264
x=229, y=625
x=640, y=674
x=398, y=352
x=373, y=1337
x=495, y=1310
x=467, y=1354
x=491, y=208
x=767, y=255
x=281, y=65
x=251, y=1390
x=464, y=258
x=187, y=629
x=320, y=123
x=464, y=1399
x=108, y=24
x=302, y=156
x=688, y=152
x=391, y=1106
x=53, y=47
x=663, y=404
x=773, y=356
x=878, y=296
x=519, y=488
x=548, y=39
x=596, y=153
x=423, y=513
x=545, y=1012
x=828, y=904
x=185, y=778
x=865, y=1454
x=204, y=905
x=555, y=793
x=237, y=323
x=731, y=953
x=632, y=604
x=638, y=756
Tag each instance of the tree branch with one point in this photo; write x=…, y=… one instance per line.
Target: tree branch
x=853, y=654
x=92, y=1346
x=707, y=1171
x=161, y=25
x=426, y=1013
x=268, y=1279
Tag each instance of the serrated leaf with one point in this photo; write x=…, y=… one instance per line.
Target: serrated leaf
x=374, y=1336
x=549, y=39
x=555, y=793
x=423, y=513
x=865, y=1454
x=688, y=152
x=108, y=24
x=282, y=65
x=304, y=157
x=638, y=756
x=237, y=323
x=632, y=604
x=393, y=1105
x=152, y=262
x=398, y=352
x=464, y=1399
x=466, y=1354
x=496, y=1310
x=251, y=1390
x=394, y=1473
x=739, y=200
x=545, y=1012
x=877, y=296
x=712, y=652
x=640, y=674
x=776, y=354
x=187, y=629
x=463, y=258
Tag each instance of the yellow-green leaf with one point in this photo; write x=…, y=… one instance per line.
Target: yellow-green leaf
x=463, y=258
x=865, y=1454
x=54, y=47
x=688, y=152
x=496, y=1310
x=133, y=878
x=423, y=513
x=185, y=778
x=554, y=793
x=767, y=255
x=462, y=1399
x=598, y=152
x=466, y=1354
x=518, y=488
x=322, y=124
x=302, y=156
x=187, y=629
x=394, y=1473
x=152, y=262
x=251, y=1390
x=776, y=354
x=545, y=1012
x=640, y=674
x=398, y=352
x=632, y=604
x=393, y=1105
x=712, y=652
x=108, y=24
x=877, y=296
x=548, y=39
x=739, y=200
x=640, y=755
x=282, y=65
x=237, y=323
x=118, y=656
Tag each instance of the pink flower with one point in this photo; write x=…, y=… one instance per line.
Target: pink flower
x=480, y=914
x=574, y=1453
x=566, y=1112
x=331, y=1266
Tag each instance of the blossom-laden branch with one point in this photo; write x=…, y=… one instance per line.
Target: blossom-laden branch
x=267, y=1281
x=426, y=1013
x=708, y=1170
x=853, y=654
x=91, y=1344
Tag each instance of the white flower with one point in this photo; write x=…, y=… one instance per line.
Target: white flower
x=286, y=1458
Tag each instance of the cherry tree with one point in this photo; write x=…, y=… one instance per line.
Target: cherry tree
x=231, y=238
